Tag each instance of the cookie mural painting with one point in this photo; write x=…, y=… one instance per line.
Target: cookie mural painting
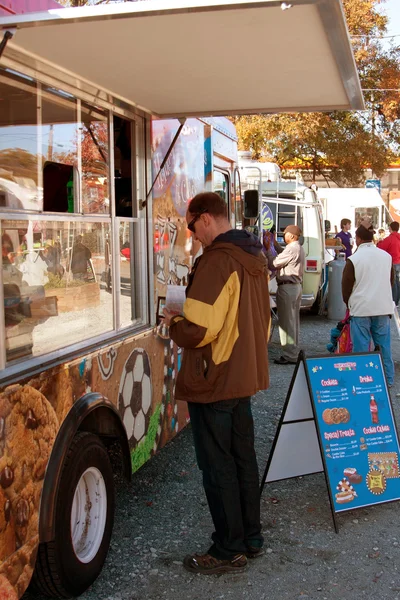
x=30, y=421
x=24, y=455
x=138, y=376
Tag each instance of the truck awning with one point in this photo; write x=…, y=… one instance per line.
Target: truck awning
x=202, y=57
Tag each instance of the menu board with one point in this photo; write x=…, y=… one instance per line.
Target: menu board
x=356, y=429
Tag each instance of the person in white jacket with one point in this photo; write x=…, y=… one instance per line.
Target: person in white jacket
x=367, y=291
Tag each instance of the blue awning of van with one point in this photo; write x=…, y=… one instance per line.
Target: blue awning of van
x=200, y=57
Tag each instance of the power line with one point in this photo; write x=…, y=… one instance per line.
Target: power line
x=380, y=89
x=375, y=37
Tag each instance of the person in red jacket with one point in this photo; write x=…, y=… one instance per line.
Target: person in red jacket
x=391, y=245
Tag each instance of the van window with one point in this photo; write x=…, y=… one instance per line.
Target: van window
x=288, y=214
x=221, y=185
x=372, y=212
x=238, y=201
x=282, y=215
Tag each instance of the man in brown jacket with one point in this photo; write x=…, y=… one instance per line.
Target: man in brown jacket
x=224, y=332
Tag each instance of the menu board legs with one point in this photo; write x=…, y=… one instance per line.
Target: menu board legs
x=338, y=418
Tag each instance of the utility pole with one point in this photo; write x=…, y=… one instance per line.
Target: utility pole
x=373, y=132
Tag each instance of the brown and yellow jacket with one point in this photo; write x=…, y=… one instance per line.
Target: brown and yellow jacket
x=225, y=326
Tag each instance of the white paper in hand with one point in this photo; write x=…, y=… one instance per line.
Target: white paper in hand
x=175, y=298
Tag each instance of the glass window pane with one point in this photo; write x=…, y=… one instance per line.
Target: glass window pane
x=221, y=185
x=123, y=165
x=238, y=202
x=94, y=150
x=59, y=133
x=18, y=143
x=75, y=155
x=371, y=212
x=130, y=297
x=54, y=289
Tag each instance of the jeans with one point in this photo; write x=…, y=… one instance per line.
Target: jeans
x=223, y=434
x=396, y=284
x=363, y=328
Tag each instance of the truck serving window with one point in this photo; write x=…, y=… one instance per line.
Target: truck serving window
x=372, y=212
x=74, y=138
x=62, y=286
x=19, y=173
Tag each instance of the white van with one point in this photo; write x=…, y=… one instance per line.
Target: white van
x=353, y=204
x=286, y=203
x=297, y=204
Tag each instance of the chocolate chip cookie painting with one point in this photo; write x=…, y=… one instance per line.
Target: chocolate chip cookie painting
x=28, y=427
x=335, y=416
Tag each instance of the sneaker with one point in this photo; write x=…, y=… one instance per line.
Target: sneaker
x=209, y=565
x=284, y=361
x=253, y=552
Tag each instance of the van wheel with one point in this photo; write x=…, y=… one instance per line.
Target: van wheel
x=315, y=308
x=84, y=520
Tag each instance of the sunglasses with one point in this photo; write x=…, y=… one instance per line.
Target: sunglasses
x=191, y=225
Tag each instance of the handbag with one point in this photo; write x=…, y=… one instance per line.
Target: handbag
x=344, y=344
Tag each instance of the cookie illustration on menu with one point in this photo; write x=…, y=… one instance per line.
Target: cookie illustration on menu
x=352, y=476
x=335, y=416
x=376, y=482
x=386, y=462
x=346, y=492
x=344, y=415
x=344, y=497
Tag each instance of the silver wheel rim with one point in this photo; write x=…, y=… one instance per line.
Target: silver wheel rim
x=88, y=515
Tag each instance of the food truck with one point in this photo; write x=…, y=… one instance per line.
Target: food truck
x=92, y=215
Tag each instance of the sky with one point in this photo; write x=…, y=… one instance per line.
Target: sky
x=392, y=9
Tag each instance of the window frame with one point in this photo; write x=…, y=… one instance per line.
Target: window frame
x=142, y=222
x=226, y=174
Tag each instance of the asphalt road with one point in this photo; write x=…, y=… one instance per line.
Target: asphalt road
x=162, y=516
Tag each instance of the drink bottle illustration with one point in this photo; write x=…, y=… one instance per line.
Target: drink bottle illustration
x=373, y=407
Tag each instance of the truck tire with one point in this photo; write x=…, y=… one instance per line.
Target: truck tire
x=84, y=517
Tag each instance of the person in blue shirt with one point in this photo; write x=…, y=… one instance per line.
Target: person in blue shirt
x=345, y=237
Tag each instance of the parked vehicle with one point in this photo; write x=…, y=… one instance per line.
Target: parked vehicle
x=284, y=203
x=354, y=204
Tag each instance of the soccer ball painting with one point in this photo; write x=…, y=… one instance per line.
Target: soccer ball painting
x=134, y=398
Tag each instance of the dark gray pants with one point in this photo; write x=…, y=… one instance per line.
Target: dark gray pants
x=223, y=434
x=288, y=301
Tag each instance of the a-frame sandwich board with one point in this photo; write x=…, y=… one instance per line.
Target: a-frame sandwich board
x=296, y=448
x=338, y=418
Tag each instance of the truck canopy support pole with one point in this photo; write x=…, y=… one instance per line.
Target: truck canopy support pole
x=7, y=36
x=182, y=123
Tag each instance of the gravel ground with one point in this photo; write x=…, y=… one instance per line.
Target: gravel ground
x=162, y=515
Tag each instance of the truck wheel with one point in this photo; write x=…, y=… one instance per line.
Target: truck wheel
x=84, y=517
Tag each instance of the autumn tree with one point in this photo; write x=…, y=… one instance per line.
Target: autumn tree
x=340, y=145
